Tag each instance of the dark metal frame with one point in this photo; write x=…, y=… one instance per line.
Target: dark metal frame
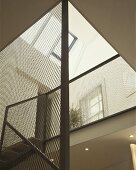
x=6, y=123
x=70, y=47
x=64, y=135
x=89, y=94
x=95, y=122
x=64, y=114
x=57, y=88
x=70, y=81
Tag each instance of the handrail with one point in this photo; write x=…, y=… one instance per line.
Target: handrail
x=5, y=122
x=24, y=139
x=48, y=93
x=92, y=123
x=34, y=148
x=70, y=81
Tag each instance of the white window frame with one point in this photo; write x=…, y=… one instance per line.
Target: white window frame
x=85, y=108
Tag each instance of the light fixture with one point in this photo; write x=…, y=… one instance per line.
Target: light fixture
x=52, y=160
x=86, y=149
x=131, y=136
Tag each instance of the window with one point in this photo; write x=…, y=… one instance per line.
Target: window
x=42, y=35
x=57, y=50
x=92, y=105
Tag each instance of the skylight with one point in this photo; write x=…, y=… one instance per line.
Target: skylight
x=57, y=50
x=90, y=50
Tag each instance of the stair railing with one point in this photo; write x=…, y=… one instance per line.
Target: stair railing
x=6, y=123
x=48, y=94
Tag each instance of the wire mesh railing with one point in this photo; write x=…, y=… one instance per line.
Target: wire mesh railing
x=24, y=63
x=101, y=91
x=106, y=84
x=27, y=60
x=24, y=128
x=38, y=118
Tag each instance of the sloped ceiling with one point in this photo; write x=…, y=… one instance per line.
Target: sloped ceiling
x=18, y=15
x=115, y=20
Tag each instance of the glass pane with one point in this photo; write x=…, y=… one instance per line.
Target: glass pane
x=100, y=115
x=100, y=106
x=94, y=100
x=94, y=110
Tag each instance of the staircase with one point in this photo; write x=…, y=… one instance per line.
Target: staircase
x=23, y=157
x=14, y=154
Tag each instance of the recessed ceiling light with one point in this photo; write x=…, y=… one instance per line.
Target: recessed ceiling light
x=51, y=160
x=86, y=149
x=131, y=136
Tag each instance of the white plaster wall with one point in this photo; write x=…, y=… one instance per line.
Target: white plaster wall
x=24, y=71
x=90, y=49
x=116, y=90
x=15, y=87
x=115, y=20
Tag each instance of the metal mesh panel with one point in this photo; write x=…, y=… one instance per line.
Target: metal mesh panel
x=52, y=150
x=53, y=114
x=52, y=147
x=10, y=138
x=28, y=66
x=23, y=118
x=103, y=92
x=33, y=162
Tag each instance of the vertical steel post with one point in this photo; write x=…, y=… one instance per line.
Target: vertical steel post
x=64, y=118
x=41, y=115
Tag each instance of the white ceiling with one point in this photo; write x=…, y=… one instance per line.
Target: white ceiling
x=110, y=152
x=108, y=142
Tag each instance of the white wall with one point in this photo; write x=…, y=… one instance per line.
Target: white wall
x=119, y=93
x=23, y=72
x=90, y=49
x=115, y=20
x=15, y=87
